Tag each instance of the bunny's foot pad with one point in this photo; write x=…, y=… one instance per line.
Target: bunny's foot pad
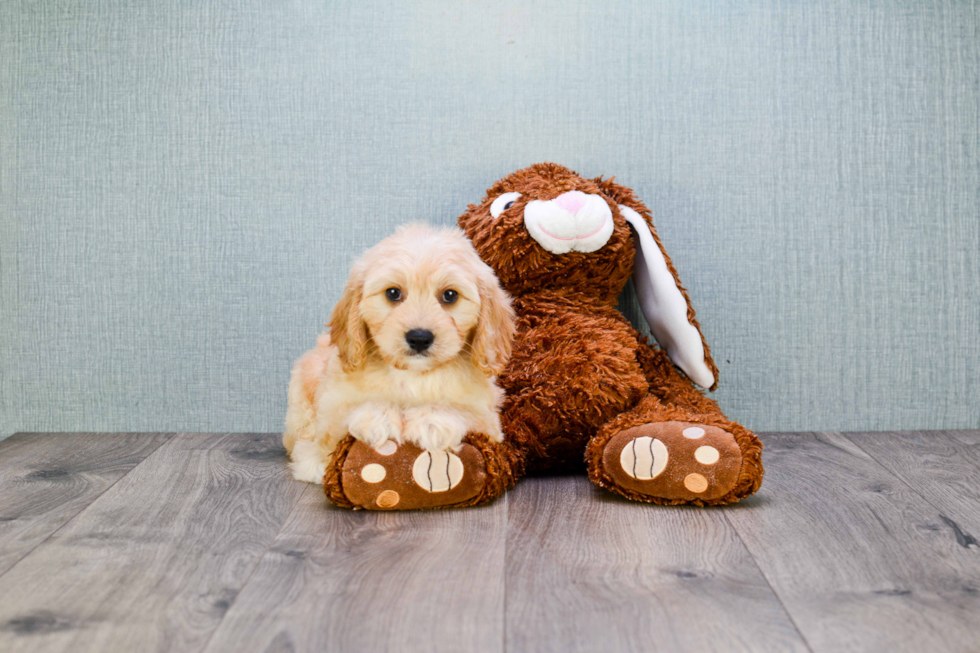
x=677, y=462
x=405, y=477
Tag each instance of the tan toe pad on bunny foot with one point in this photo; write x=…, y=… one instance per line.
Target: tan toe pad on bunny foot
x=405, y=477
x=675, y=461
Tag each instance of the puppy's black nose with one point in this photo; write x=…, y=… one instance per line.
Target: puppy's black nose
x=419, y=339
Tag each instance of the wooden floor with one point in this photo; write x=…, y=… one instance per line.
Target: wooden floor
x=202, y=542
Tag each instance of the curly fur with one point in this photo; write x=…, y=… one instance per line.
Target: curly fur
x=364, y=378
x=579, y=372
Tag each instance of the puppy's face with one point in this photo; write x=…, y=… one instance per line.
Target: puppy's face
x=420, y=299
x=420, y=311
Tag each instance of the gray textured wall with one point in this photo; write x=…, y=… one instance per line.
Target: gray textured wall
x=183, y=187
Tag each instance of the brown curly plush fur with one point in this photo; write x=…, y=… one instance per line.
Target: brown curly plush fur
x=580, y=373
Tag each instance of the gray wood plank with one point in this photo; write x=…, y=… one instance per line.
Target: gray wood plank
x=942, y=467
x=588, y=571
x=861, y=562
x=155, y=562
x=338, y=580
x=971, y=436
x=48, y=478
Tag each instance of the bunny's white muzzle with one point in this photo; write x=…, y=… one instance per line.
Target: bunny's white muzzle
x=572, y=222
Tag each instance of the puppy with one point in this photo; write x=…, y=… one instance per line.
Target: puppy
x=413, y=349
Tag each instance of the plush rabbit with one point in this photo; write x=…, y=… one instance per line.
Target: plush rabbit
x=582, y=383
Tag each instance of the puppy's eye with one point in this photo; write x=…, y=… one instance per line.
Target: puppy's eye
x=502, y=203
x=450, y=297
x=393, y=294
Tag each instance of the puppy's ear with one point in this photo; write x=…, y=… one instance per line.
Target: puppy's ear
x=347, y=330
x=494, y=333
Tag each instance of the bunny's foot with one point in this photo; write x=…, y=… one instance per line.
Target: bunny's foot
x=677, y=461
x=404, y=477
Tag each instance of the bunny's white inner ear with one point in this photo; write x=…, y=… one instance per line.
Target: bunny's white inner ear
x=664, y=306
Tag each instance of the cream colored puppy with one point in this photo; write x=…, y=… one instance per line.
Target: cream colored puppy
x=413, y=349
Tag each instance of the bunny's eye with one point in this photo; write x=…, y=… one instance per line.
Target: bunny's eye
x=502, y=203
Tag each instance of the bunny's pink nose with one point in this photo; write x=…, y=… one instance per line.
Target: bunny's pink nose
x=571, y=201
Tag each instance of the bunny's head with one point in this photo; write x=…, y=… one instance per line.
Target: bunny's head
x=545, y=227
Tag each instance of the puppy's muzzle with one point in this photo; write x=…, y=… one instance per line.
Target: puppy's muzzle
x=419, y=340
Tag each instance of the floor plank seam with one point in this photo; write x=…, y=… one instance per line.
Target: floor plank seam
x=258, y=562
x=86, y=506
x=503, y=640
x=765, y=577
x=954, y=526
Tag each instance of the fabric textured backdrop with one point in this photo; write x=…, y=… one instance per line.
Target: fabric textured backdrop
x=183, y=187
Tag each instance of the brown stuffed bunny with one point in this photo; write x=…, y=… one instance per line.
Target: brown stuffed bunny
x=582, y=382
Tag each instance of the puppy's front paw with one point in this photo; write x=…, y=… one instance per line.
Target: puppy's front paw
x=434, y=429
x=308, y=465
x=375, y=424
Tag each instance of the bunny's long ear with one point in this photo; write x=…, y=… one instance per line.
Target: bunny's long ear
x=663, y=300
x=665, y=305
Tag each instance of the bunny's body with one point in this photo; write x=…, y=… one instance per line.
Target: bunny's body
x=582, y=384
x=556, y=403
